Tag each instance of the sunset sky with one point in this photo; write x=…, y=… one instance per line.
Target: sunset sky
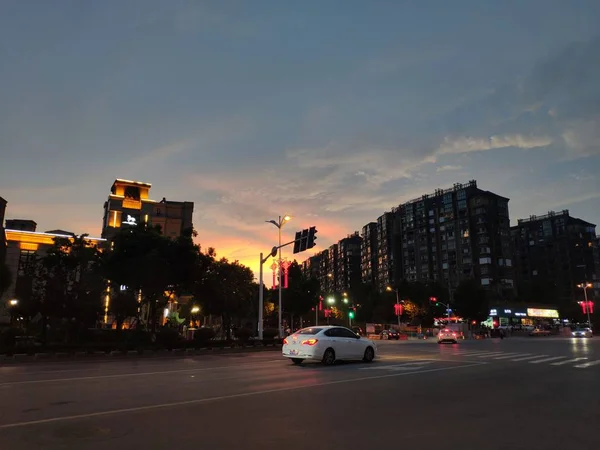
x=330, y=111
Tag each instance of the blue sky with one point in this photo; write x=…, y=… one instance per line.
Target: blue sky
x=331, y=111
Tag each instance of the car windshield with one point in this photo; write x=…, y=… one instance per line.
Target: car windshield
x=309, y=331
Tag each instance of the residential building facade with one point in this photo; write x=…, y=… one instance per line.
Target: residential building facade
x=369, y=261
x=348, y=261
x=553, y=254
x=24, y=246
x=456, y=234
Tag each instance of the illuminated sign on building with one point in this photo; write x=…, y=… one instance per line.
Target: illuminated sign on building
x=547, y=313
x=130, y=220
x=493, y=312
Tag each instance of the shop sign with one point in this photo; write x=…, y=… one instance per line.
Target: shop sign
x=545, y=313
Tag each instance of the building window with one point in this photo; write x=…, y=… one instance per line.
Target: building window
x=485, y=260
x=485, y=281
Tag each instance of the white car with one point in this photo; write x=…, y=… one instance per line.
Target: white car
x=447, y=335
x=584, y=332
x=328, y=344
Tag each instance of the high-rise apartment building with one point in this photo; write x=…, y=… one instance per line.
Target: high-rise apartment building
x=386, y=256
x=347, y=269
x=553, y=254
x=129, y=204
x=455, y=234
x=369, y=266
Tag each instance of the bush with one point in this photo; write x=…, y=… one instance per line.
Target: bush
x=204, y=334
x=243, y=334
x=168, y=337
x=270, y=333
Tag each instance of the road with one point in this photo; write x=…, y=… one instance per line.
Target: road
x=518, y=393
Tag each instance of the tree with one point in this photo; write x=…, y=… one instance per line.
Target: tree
x=227, y=291
x=302, y=293
x=68, y=284
x=142, y=260
x=471, y=301
x=123, y=305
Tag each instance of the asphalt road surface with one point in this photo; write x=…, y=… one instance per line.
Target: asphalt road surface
x=518, y=393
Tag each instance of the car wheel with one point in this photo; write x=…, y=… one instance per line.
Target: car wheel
x=369, y=355
x=329, y=357
x=297, y=361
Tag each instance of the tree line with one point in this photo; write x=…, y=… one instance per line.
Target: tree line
x=67, y=287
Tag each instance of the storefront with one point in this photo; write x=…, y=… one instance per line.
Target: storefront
x=523, y=315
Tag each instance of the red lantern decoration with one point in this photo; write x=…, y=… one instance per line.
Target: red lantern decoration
x=285, y=265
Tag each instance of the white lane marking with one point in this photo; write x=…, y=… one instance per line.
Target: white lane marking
x=513, y=356
x=528, y=358
x=588, y=364
x=135, y=374
x=474, y=353
x=554, y=358
x=406, y=366
x=568, y=361
x=226, y=397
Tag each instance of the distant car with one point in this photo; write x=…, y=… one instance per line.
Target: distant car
x=358, y=330
x=447, y=335
x=583, y=332
x=539, y=332
x=328, y=344
x=386, y=335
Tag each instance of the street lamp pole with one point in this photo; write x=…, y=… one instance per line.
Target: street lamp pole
x=280, y=319
x=281, y=221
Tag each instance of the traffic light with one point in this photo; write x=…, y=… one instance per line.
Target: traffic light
x=298, y=242
x=434, y=300
x=312, y=237
x=351, y=314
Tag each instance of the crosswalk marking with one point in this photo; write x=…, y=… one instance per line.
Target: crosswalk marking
x=554, y=358
x=588, y=364
x=517, y=357
x=567, y=361
x=528, y=357
x=512, y=355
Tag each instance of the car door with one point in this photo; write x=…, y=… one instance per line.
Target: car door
x=353, y=344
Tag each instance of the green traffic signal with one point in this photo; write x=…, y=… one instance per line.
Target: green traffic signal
x=351, y=314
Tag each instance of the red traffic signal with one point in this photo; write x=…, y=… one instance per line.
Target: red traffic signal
x=433, y=299
x=398, y=309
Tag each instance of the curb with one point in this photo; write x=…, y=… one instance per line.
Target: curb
x=131, y=354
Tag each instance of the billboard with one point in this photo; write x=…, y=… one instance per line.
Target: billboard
x=545, y=313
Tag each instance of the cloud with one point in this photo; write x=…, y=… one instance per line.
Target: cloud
x=468, y=144
x=447, y=168
x=557, y=104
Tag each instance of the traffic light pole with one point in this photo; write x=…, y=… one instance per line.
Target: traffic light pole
x=261, y=300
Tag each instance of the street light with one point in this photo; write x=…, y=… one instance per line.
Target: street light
x=195, y=309
x=279, y=223
x=391, y=289
x=13, y=302
x=585, y=287
x=331, y=300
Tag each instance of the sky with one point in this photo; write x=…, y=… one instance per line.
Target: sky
x=330, y=111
